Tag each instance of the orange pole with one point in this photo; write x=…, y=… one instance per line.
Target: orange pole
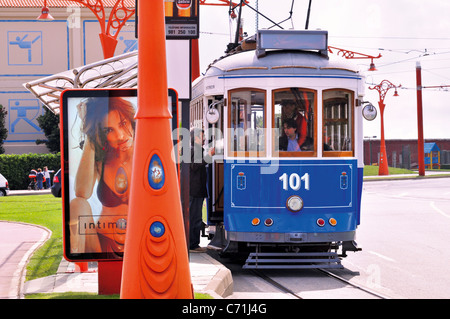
x=156, y=263
x=383, y=169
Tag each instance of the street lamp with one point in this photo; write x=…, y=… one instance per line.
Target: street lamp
x=110, y=26
x=382, y=89
x=109, y=272
x=355, y=55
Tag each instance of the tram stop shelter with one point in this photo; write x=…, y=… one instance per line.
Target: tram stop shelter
x=432, y=155
x=116, y=72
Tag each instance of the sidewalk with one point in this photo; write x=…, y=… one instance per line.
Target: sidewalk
x=20, y=241
x=29, y=192
x=207, y=276
x=428, y=174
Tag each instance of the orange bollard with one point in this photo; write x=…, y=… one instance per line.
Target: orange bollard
x=156, y=263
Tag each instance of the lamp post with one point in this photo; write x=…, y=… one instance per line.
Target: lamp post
x=109, y=272
x=382, y=89
x=355, y=55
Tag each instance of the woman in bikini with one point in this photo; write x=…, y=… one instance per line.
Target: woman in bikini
x=108, y=129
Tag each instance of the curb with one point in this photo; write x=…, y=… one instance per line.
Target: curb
x=403, y=177
x=221, y=285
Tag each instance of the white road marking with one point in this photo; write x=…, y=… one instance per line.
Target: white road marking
x=382, y=256
x=438, y=210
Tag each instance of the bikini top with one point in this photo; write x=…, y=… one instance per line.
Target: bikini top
x=107, y=196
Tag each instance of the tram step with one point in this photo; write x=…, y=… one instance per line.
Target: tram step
x=292, y=261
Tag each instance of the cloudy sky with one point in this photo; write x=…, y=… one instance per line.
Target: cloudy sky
x=404, y=32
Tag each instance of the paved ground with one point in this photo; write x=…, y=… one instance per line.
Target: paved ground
x=17, y=244
x=19, y=241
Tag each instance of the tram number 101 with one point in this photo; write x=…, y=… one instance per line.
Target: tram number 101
x=294, y=181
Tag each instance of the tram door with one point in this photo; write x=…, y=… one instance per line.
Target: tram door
x=214, y=138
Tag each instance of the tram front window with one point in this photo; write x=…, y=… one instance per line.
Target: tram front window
x=293, y=122
x=247, y=122
x=337, y=123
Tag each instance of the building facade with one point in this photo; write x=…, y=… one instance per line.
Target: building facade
x=31, y=49
x=402, y=153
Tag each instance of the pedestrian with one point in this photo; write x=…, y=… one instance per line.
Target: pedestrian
x=40, y=178
x=47, y=177
x=197, y=188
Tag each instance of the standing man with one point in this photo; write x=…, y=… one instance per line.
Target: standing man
x=197, y=188
x=40, y=179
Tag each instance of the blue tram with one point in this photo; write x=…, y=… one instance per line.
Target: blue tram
x=286, y=123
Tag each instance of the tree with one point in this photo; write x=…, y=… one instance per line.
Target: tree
x=49, y=123
x=3, y=130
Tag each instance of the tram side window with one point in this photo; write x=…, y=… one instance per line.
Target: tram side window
x=338, y=123
x=247, y=122
x=293, y=122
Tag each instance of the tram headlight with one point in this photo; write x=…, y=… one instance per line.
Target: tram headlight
x=294, y=203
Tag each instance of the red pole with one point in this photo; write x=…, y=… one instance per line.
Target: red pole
x=420, y=142
x=156, y=263
x=195, y=59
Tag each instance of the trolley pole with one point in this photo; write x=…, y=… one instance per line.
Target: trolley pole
x=420, y=142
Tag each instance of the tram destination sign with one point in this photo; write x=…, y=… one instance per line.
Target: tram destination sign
x=292, y=40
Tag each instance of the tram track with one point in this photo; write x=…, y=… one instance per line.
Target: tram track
x=361, y=288
x=275, y=283
x=297, y=295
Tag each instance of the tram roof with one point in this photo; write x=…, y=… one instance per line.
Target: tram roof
x=293, y=62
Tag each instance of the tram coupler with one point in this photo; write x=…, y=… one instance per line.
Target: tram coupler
x=350, y=245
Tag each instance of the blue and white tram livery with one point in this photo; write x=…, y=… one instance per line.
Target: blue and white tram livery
x=285, y=203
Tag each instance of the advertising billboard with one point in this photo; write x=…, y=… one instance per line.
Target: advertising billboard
x=182, y=19
x=98, y=133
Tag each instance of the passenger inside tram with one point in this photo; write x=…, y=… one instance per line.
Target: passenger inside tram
x=293, y=111
x=290, y=140
x=294, y=127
